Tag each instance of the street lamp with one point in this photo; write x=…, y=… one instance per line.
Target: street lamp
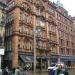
x=34, y=49
x=36, y=30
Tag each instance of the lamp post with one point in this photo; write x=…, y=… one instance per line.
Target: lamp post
x=34, y=50
x=36, y=30
x=59, y=58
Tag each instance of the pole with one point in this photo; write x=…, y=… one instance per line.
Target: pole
x=59, y=58
x=34, y=50
x=0, y=66
x=48, y=62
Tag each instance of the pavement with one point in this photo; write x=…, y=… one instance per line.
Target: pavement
x=71, y=72
x=40, y=73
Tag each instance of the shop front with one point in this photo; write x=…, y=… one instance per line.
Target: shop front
x=42, y=63
x=68, y=60
x=53, y=59
x=26, y=61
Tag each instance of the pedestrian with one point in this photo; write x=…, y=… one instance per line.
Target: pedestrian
x=6, y=71
x=61, y=70
x=13, y=71
x=17, y=71
x=52, y=69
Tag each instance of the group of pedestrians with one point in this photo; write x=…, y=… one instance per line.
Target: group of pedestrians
x=14, y=71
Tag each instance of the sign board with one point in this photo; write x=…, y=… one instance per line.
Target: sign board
x=1, y=51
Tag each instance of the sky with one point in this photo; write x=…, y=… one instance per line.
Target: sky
x=69, y=5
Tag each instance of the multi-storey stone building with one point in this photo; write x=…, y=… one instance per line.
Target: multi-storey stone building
x=54, y=41
x=2, y=27
x=66, y=36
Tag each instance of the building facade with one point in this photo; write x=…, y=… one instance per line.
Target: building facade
x=2, y=27
x=53, y=29
x=66, y=36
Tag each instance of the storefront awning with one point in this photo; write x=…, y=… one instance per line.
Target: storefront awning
x=26, y=58
x=68, y=58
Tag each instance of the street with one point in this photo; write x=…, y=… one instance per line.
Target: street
x=71, y=72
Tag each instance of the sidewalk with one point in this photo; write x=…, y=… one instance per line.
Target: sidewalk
x=38, y=73
x=71, y=72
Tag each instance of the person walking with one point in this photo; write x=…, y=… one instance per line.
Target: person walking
x=13, y=71
x=61, y=70
x=17, y=71
x=58, y=70
x=6, y=71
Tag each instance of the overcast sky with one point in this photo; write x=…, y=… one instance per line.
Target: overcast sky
x=69, y=5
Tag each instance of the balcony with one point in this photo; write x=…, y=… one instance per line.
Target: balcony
x=52, y=48
x=22, y=4
x=41, y=38
x=25, y=18
x=40, y=14
x=52, y=29
x=51, y=21
x=28, y=23
x=52, y=41
x=50, y=10
x=25, y=6
x=25, y=33
x=40, y=24
x=41, y=48
x=41, y=27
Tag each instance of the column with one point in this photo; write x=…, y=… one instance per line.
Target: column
x=47, y=31
x=15, y=38
x=34, y=40
x=58, y=48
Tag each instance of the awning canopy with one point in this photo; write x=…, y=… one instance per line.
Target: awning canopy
x=68, y=58
x=27, y=58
